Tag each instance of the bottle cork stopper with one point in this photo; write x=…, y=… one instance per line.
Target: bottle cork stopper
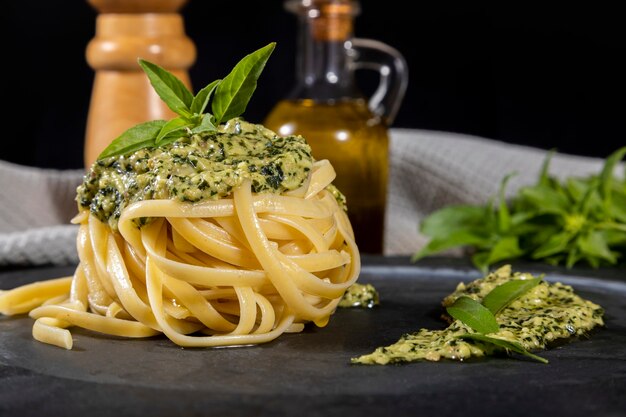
x=331, y=20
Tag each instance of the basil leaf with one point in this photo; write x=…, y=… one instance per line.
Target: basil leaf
x=504, y=294
x=506, y=247
x=512, y=346
x=205, y=125
x=171, y=90
x=201, y=99
x=594, y=244
x=555, y=243
x=544, y=177
x=479, y=259
x=137, y=137
x=234, y=92
x=454, y=239
x=545, y=199
x=473, y=314
x=606, y=176
x=449, y=218
x=172, y=137
x=177, y=124
x=504, y=217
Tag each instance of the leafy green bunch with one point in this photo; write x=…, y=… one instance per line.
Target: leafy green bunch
x=228, y=97
x=560, y=222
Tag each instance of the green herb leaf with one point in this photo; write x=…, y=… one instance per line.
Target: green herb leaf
x=594, y=244
x=504, y=294
x=453, y=217
x=205, y=126
x=454, y=239
x=556, y=243
x=569, y=221
x=504, y=217
x=606, y=176
x=544, y=177
x=172, y=127
x=508, y=345
x=201, y=100
x=473, y=314
x=171, y=90
x=545, y=199
x=506, y=247
x=141, y=136
x=234, y=92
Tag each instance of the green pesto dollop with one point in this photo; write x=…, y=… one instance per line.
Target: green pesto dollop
x=205, y=166
x=360, y=295
x=547, y=312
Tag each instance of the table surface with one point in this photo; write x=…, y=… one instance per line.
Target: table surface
x=310, y=374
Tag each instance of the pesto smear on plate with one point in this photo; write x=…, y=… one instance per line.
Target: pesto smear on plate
x=545, y=313
x=204, y=166
x=360, y=295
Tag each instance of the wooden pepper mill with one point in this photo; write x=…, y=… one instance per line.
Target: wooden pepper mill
x=122, y=95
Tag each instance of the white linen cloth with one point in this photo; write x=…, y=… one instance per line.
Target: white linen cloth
x=428, y=170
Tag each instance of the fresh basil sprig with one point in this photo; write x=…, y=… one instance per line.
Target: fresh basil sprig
x=473, y=314
x=505, y=344
x=560, y=222
x=505, y=294
x=228, y=98
x=481, y=317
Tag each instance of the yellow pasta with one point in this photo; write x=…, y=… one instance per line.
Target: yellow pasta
x=230, y=271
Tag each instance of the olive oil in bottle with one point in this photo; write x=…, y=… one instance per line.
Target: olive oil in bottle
x=339, y=123
x=356, y=143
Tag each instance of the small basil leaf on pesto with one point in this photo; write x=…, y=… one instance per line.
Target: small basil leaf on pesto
x=137, y=137
x=234, y=92
x=506, y=344
x=502, y=295
x=205, y=126
x=171, y=90
x=175, y=127
x=201, y=100
x=473, y=314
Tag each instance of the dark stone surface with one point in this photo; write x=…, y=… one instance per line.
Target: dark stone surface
x=309, y=374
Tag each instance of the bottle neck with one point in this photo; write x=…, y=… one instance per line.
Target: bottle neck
x=323, y=67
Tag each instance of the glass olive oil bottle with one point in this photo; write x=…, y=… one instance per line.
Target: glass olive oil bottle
x=337, y=120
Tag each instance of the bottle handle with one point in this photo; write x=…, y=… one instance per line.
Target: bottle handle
x=394, y=77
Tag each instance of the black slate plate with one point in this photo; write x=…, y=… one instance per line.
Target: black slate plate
x=310, y=374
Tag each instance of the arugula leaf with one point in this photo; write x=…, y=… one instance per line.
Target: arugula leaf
x=234, y=92
x=506, y=344
x=473, y=314
x=171, y=90
x=504, y=294
x=137, y=137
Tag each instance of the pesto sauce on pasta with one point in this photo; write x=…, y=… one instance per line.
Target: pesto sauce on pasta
x=205, y=166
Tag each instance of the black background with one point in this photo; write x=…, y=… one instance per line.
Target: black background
x=549, y=76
